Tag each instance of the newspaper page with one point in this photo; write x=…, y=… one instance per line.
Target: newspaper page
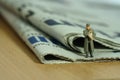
x=42, y=45
x=44, y=15
x=67, y=24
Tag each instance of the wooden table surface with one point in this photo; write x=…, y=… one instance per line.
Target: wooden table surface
x=18, y=62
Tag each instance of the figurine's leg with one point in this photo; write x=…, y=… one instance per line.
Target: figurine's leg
x=91, y=54
x=86, y=55
x=86, y=48
x=86, y=52
x=91, y=48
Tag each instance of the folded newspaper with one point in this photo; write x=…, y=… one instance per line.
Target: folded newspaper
x=53, y=29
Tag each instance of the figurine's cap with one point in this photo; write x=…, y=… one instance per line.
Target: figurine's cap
x=87, y=24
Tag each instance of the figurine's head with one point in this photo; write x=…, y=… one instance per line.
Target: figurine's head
x=88, y=26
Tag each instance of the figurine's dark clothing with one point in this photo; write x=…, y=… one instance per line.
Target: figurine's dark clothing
x=88, y=42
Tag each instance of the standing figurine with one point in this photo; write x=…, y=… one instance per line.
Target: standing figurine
x=88, y=42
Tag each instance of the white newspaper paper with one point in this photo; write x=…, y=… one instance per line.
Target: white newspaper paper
x=64, y=20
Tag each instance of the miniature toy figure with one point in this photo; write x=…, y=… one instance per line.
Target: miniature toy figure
x=88, y=42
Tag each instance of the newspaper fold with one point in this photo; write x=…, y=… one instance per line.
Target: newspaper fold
x=65, y=29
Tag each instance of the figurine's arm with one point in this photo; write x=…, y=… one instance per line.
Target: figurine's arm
x=94, y=34
x=85, y=33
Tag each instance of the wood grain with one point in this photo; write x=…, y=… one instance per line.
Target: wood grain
x=18, y=62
